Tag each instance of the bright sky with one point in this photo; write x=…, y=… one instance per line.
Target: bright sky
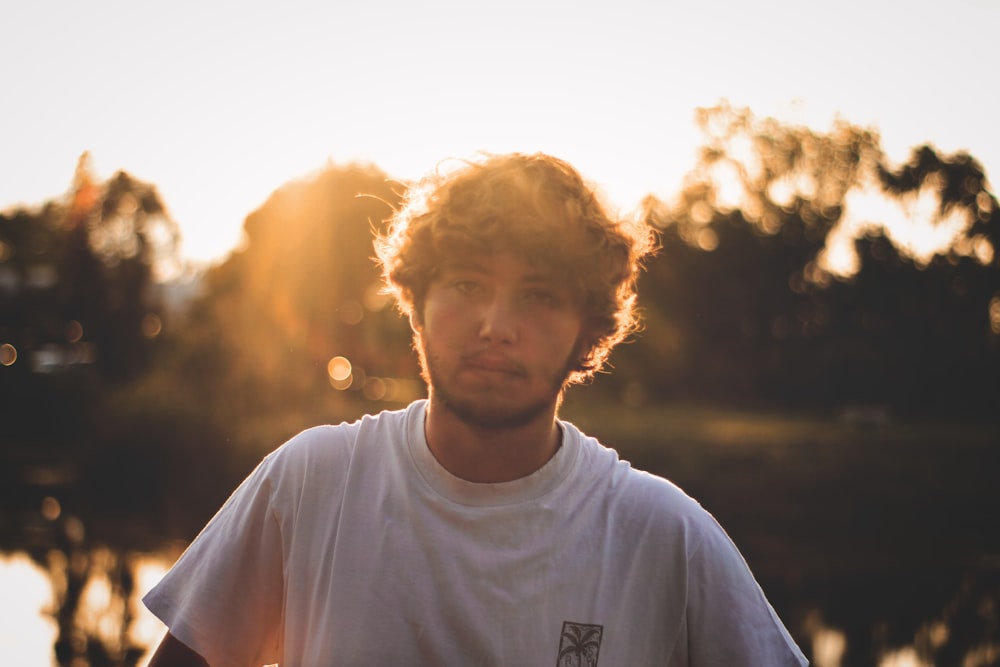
x=220, y=103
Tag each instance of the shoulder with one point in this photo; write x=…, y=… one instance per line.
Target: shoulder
x=330, y=447
x=635, y=496
x=315, y=467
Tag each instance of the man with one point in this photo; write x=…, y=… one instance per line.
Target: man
x=476, y=528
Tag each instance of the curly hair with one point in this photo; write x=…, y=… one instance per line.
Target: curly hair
x=538, y=207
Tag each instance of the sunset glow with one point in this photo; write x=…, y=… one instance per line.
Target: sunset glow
x=790, y=364
x=220, y=107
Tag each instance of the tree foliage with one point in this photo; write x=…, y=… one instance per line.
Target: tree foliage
x=78, y=293
x=747, y=303
x=80, y=314
x=301, y=291
x=775, y=284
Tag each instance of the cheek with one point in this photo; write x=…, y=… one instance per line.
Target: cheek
x=564, y=338
x=441, y=323
x=439, y=318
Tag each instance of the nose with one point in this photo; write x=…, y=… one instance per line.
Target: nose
x=498, y=321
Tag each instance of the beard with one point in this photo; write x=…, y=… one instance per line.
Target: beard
x=492, y=415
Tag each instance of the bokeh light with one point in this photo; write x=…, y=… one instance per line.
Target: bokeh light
x=74, y=331
x=51, y=509
x=351, y=312
x=340, y=371
x=8, y=354
x=152, y=325
x=374, y=389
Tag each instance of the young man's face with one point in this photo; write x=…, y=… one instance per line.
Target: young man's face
x=498, y=337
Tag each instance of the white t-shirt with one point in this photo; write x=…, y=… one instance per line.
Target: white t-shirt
x=351, y=545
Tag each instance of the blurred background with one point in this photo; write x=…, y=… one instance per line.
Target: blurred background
x=187, y=200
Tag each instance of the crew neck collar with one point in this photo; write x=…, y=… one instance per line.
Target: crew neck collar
x=463, y=492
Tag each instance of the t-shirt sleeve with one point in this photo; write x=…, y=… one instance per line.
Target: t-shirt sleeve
x=729, y=620
x=224, y=596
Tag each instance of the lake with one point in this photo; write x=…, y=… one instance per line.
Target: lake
x=878, y=546
x=28, y=611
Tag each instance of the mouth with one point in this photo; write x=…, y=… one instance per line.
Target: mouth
x=487, y=363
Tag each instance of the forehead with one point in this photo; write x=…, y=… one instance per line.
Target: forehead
x=502, y=265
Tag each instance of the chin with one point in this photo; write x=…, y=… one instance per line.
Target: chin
x=492, y=414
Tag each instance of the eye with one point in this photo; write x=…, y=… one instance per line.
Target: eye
x=541, y=295
x=465, y=286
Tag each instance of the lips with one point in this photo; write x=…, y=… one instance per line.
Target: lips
x=493, y=364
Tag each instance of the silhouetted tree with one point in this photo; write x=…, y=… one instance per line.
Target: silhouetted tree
x=78, y=317
x=76, y=301
x=79, y=312
x=749, y=300
x=300, y=291
x=78, y=277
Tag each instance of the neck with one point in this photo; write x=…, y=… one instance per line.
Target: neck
x=490, y=455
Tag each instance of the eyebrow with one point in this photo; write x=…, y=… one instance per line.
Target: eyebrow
x=534, y=275
x=461, y=265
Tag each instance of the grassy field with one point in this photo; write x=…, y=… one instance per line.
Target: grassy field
x=886, y=531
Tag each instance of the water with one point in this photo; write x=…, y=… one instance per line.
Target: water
x=877, y=552
x=27, y=633
x=30, y=611
x=112, y=618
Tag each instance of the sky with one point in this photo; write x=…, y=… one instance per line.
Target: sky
x=218, y=104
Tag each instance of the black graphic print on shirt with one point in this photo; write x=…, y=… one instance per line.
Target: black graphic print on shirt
x=579, y=644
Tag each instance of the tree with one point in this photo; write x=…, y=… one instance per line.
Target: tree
x=79, y=314
x=758, y=300
x=297, y=309
x=78, y=306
